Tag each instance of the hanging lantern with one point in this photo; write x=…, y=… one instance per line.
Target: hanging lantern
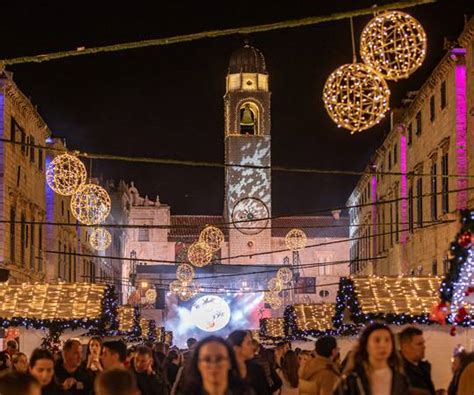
x=285, y=275
x=356, y=97
x=199, y=254
x=65, y=174
x=296, y=240
x=394, y=44
x=185, y=272
x=213, y=237
x=275, y=285
x=90, y=204
x=100, y=239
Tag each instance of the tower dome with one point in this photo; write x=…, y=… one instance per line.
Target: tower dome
x=247, y=59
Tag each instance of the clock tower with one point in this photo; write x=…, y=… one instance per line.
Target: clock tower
x=247, y=143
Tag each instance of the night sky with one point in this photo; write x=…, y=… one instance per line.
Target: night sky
x=167, y=101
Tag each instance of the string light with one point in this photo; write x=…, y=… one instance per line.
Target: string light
x=275, y=285
x=90, y=204
x=185, y=272
x=125, y=316
x=356, y=97
x=199, y=254
x=285, y=275
x=213, y=237
x=394, y=44
x=296, y=240
x=100, y=239
x=314, y=316
x=272, y=328
x=273, y=299
x=65, y=174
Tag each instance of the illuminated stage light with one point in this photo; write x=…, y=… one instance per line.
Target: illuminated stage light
x=210, y=313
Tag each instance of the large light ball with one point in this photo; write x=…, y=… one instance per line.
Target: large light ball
x=100, y=239
x=199, y=254
x=185, y=272
x=394, y=44
x=65, y=174
x=285, y=275
x=356, y=97
x=296, y=240
x=210, y=313
x=275, y=285
x=273, y=299
x=188, y=290
x=90, y=204
x=175, y=286
x=213, y=237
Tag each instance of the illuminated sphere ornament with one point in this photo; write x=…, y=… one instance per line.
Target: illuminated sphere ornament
x=65, y=174
x=394, y=44
x=100, y=239
x=185, y=272
x=210, y=313
x=356, y=97
x=150, y=296
x=213, y=237
x=275, y=285
x=273, y=299
x=296, y=240
x=285, y=275
x=199, y=254
x=188, y=290
x=175, y=286
x=90, y=204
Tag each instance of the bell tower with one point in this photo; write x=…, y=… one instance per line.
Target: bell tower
x=247, y=142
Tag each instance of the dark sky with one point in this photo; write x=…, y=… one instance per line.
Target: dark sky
x=167, y=101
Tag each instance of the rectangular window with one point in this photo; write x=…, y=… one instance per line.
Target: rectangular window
x=418, y=123
x=40, y=248
x=434, y=267
x=18, y=175
x=391, y=225
x=22, y=239
x=434, y=190
x=32, y=150
x=12, y=234
x=59, y=259
x=389, y=160
x=432, y=109
x=397, y=229
x=410, y=133
x=419, y=202
x=143, y=235
x=23, y=141
x=445, y=184
x=32, y=245
x=40, y=159
x=443, y=94
x=12, y=130
x=383, y=228
x=395, y=154
x=410, y=209
x=445, y=265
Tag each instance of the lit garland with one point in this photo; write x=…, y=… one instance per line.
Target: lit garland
x=65, y=174
x=126, y=316
x=296, y=240
x=356, y=97
x=185, y=272
x=275, y=285
x=394, y=44
x=273, y=299
x=168, y=337
x=213, y=237
x=199, y=254
x=100, y=239
x=272, y=328
x=90, y=204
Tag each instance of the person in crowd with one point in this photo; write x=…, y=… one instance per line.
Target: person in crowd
x=160, y=350
x=418, y=371
x=251, y=372
x=171, y=366
x=131, y=352
x=212, y=370
x=149, y=382
x=115, y=382
x=5, y=362
x=288, y=373
x=12, y=348
x=16, y=383
x=280, y=350
x=266, y=359
x=375, y=368
x=319, y=374
x=41, y=367
x=71, y=375
x=463, y=379
x=114, y=354
x=20, y=362
x=191, y=342
x=93, y=353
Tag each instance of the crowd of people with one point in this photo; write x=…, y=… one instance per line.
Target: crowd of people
x=238, y=365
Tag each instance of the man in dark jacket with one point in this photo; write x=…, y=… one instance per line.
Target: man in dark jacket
x=148, y=381
x=418, y=371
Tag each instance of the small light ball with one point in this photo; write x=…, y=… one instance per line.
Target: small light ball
x=150, y=295
x=185, y=272
x=100, y=239
x=394, y=44
x=188, y=290
x=275, y=285
x=175, y=286
x=213, y=237
x=296, y=240
x=285, y=275
x=199, y=254
x=356, y=97
x=65, y=174
x=90, y=204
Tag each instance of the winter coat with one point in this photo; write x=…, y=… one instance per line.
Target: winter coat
x=419, y=375
x=319, y=377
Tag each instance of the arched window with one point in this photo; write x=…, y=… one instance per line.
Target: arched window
x=248, y=120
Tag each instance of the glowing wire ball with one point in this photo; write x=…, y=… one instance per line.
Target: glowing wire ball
x=188, y=290
x=273, y=299
x=356, y=97
x=213, y=237
x=296, y=240
x=285, y=275
x=275, y=285
x=185, y=272
x=90, y=204
x=151, y=295
x=65, y=174
x=199, y=254
x=175, y=286
x=394, y=44
x=100, y=239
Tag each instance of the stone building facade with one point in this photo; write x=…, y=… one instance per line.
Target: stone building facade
x=403, y=223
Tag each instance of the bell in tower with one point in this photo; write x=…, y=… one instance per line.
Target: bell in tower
x=247, y=120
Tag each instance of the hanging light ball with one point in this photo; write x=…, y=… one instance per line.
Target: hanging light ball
x=65, y=174
x=100, y=239
x=273, y=299
x=150, y=295
x=394, y=44
x=296, y=240
x=285, y=275
x=199, y=254
x=275, y=285
x=213, y=237
x=185, y=272
x=188, y=290
x=356, y=97
x=175, y=286
x=90, y=204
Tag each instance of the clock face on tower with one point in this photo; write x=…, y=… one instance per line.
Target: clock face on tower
x=250, y=216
